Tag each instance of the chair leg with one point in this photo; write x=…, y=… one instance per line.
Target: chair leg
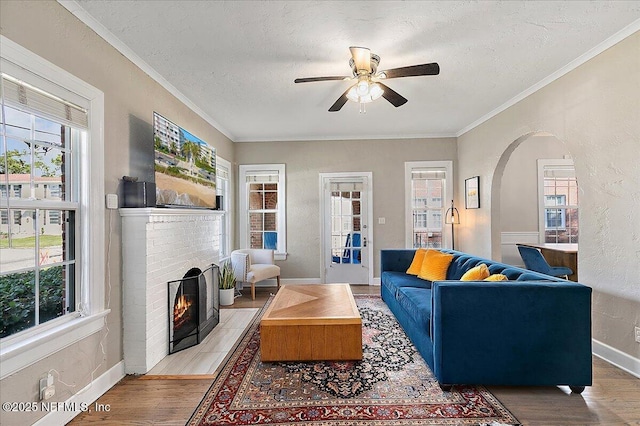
x=253, y=291
x=278, y=279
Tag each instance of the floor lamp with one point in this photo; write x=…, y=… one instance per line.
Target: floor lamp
x=452, y=217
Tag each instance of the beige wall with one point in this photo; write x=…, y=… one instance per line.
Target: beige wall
x=594, y=111
x=305, y=160
x=50, y=31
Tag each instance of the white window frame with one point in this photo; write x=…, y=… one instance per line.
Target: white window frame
x=248, y=169
x=32, y=345
x=409, y=166
x=542, y=165
x=226, y=234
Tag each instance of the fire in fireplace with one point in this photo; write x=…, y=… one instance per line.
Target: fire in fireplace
x=193, y=307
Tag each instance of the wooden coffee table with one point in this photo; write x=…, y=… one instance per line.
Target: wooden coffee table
x=311, y=323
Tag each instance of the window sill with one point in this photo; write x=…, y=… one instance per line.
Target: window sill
x=20, y=353
x=280, y=256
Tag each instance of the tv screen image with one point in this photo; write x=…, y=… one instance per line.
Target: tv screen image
x=185, y=166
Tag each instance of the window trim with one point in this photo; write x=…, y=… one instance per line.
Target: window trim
x=245, y=169
x=227, y=216
x=25, y=348
x=409, y=166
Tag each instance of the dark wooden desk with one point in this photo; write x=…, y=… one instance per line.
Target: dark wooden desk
x=559, y=255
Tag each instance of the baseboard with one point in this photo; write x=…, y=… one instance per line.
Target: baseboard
x=616, y=357
x=84, y=398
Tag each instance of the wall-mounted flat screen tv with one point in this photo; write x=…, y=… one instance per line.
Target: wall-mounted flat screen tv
x=185, y=167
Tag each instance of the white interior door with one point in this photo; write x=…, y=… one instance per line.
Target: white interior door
x=346, y=241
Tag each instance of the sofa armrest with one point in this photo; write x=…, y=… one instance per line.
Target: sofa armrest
x=518, y=333
x=397, y=260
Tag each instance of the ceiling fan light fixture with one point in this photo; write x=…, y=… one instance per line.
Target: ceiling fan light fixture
x=365, y=92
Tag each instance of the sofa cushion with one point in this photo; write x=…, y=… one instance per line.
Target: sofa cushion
x=416, y=264
x=477, y=273
x=435, y=265
x=393, y=279
x=417, y=303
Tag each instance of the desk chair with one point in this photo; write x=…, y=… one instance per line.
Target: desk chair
x=535, y=261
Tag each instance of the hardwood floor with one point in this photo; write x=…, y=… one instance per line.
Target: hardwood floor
x=614, y=398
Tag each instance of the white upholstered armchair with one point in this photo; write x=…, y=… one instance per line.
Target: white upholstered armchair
x=253, y=265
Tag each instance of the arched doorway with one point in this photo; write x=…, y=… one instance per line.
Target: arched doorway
x=516, y=214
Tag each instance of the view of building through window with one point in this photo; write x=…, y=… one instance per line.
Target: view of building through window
x=427, y=208
x=263, y=210
x=560, y=209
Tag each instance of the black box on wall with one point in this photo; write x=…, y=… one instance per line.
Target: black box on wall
x=139, y=194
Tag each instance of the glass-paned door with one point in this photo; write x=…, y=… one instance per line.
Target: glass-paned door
x=345, y=244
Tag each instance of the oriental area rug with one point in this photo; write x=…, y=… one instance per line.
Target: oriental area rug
x=391, y=386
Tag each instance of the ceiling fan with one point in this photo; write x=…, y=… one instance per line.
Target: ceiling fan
x=368, y=86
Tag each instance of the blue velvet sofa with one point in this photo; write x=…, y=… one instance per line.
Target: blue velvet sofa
x=531, y=330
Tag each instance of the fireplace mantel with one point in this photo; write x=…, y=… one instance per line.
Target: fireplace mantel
x=159, y=245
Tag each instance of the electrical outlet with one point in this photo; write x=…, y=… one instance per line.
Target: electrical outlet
x=638, y=334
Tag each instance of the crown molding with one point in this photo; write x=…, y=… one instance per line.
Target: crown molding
x=349, y=137
x=590, y=54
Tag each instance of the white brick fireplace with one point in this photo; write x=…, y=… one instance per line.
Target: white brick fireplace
x=159, y=245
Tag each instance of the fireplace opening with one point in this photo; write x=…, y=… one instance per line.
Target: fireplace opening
x=193, y=307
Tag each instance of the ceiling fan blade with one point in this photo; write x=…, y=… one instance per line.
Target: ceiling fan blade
x=337, y=105
x=413, y=71
x=392, y=96
x=361, y=57
x=310, y=79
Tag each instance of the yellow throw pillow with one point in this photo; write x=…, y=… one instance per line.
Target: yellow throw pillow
x=416, y=264
x=435, y=265
x=497, y=277
x=477, y=273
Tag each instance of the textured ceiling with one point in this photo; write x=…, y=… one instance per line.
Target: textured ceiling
x=236, y=61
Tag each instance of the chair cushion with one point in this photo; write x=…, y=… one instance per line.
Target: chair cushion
x=261, y=271
x=435, y=265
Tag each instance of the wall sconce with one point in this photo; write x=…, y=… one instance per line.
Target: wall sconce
x=452, y=217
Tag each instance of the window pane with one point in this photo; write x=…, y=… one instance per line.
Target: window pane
x=270, y=222
x=51, y=232
x=49, y=131
x=48, y=171
x=256, y=240
x=256, y=222
x=18, y=123
x=17, y=298
x=52, y=289
x=18, y=243
x=270, y=200
x=256, y=200
x=18, y=160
